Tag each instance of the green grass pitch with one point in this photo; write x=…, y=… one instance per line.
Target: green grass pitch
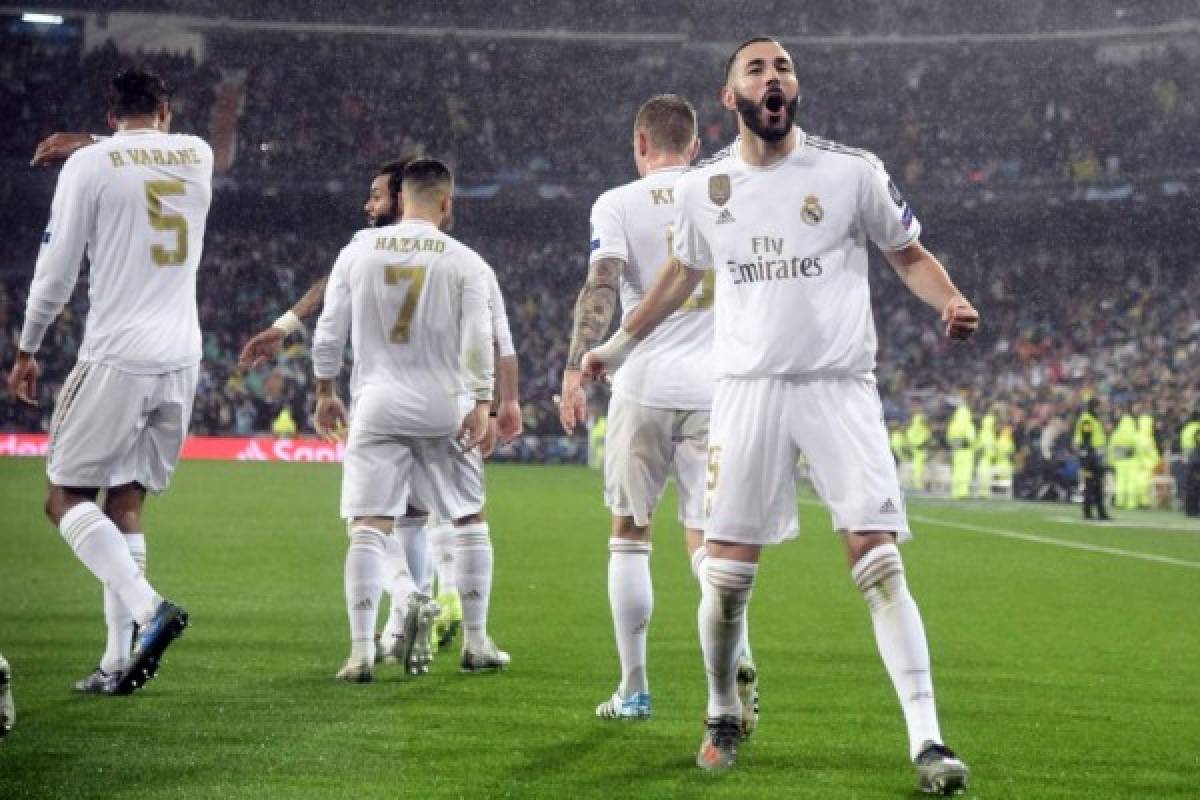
x=1066, y=657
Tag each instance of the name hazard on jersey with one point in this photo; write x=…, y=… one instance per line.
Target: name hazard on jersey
x=404, y=244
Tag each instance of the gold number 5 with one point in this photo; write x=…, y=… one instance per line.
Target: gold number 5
x=697, y=302
x=155, y=192
x=416, y=282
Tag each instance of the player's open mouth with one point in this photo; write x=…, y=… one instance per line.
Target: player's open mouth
x=773, y=101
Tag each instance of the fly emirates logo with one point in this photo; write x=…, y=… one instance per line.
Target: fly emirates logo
x=768, y=262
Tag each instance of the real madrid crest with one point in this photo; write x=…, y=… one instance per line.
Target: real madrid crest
x=720, y=189
x=812, y=213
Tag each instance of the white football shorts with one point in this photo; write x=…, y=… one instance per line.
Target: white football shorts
x=383, y=473
x=111, y=427
x=760, y=426
x=643, y=446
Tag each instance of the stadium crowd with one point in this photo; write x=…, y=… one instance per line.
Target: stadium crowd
x=319, y=107
x=824, y=18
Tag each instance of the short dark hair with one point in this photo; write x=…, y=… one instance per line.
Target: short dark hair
x=395, y=173
x=135, y=92
x=423, y=174
x=669, y=122
x=743, y=46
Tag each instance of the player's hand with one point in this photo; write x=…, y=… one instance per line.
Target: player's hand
x=330, y=418
x=262, y=347
x=22, y=378
x=961, y=318
x=474, y=425
x=572, y=403
x=57, y=147
x=488, y=445
x=508, y=421
x=592, y=368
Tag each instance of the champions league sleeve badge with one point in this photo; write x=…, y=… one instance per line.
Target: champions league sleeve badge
x=720, y=189
x=812, y=213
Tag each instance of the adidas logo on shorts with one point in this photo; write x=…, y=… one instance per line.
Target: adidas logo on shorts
x=725, y=217
x=888, y=507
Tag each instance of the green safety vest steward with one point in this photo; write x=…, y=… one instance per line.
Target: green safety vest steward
x=1099, y=440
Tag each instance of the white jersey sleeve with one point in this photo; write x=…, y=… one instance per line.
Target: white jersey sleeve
x=476, y=325
x=689, y=244
x=333, y=327
x=61, y=256
x=885, y=215
x=608, y=230
x=500, y=329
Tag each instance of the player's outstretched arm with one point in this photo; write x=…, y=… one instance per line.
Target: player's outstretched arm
x=58, y=147
x=925, y=277
x=674, y=285
x=267, y=343
x=594, y=310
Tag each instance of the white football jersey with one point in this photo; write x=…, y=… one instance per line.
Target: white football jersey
x=672, y=367
x=788, y=244
x=137, y=203
x=416, y=304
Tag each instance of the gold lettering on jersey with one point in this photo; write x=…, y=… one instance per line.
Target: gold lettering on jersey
x=143, y=157
x=662, y=197
x=812, y=213
x=720, y=189
x=403, y=244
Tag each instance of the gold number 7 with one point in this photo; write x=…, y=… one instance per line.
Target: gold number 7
x=155, y=192
x=416, y=282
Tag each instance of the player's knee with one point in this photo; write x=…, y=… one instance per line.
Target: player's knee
x=59, y=501
x=124, y=508
x=627, y=528
x=879, y=575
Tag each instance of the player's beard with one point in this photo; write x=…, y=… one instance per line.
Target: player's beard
x=389, y=217
x=752, y=114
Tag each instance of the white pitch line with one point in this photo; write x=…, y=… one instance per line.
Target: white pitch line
x=1032, y=537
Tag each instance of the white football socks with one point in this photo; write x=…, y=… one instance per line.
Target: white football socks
x=441, y=551
x=725, y=593
x=900, y=635
x=98, y=543
x=117, y=616
x=631, y=596
x=698, y=559
x=473, y=566
x=401, y=581
x=366, y=563
x=415, y=538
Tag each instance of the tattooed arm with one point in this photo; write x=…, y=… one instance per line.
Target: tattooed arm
x=593, y=315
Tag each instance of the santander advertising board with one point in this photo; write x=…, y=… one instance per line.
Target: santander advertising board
x=208, y=448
